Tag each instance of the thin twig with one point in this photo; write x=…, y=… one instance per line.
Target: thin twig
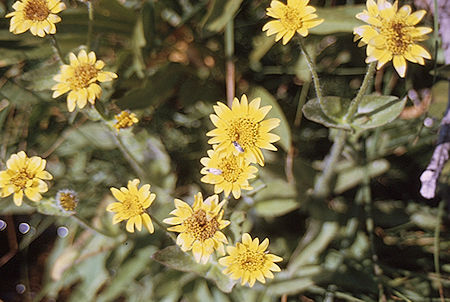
x=230, y=68
x=322, y=186
x=57, y=49
x=437, y=230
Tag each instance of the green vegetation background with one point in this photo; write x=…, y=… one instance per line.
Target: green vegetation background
x=170, y=58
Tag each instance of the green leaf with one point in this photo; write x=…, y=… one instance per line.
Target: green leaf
x=289, y=287
x=375, y=111
x=310, y=254
x=335, y=107
x=284, y=130
x=223, y=282
x=338, y=19
x=353, y=176
x=129, y=270
x=173, y=257
x=219, y=13
x=276, y=207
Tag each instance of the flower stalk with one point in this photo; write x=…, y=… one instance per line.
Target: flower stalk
x=362, y=91
x=57, y=49
x=313, y=70
x=90, y=24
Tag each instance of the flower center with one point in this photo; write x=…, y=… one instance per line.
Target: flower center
x=398, y=36
x=21, y=179
x=83, y=76
x=124, y=120
x=132, y=206
x=291, y=18
x=244, y=131
x=250, y=260
x=230, y=168
x=200, y=227
x=68, y=201
x=36, y=10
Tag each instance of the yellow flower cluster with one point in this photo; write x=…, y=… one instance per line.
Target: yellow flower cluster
x=240, y=134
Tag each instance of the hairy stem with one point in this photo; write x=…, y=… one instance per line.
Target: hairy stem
x=437, y=230
x=322, y=187
x=164, y=228
x=312, y=69
x=90, y=24
x=230, y=68
x=56, y=48
x=362, y=91
x=84, y=223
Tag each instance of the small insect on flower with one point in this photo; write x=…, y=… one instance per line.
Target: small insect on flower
x=391, y=35
x=67, y=200
x=132, y=206
x=199, y=226
x=38, y=16
x=24, y=175
x=250, y=261
x=228, y=173
x=125, y=119
x=243, y=130
x=294, y=17
x=80, y=78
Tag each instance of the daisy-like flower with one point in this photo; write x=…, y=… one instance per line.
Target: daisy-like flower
x=80, y=78
x=125, y=119
x=295, y=16
x=24, y=175
x=132, y=205
x=67, y=200
x=227, y=172
x=243, y=130
x=250, y=261
x=199, y=226
x=38, y=16
x=392, y=35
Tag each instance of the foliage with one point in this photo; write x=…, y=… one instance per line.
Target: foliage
x=369, y=236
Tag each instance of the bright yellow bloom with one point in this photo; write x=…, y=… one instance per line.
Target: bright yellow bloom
x=81, y=77
x=227, y=172
x=125, y=119
x=199, y=226
x=296, y=16
x=132, y=205
x=67, y=200
x=391, y=35
x=250, y=261
x=38, y=16
x=243, y=130
x=24, y=175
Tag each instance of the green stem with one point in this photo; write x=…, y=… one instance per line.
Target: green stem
x=84, y=223
x=163, y=227
x=322, y=187
x=56, y=48
x=313, y=70
x=367, y=199
x=90, y=24
x=129, y=157
x=230, y=68
x=436, y=247
x=362, y=91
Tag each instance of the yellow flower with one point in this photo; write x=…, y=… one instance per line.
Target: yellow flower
x=199, y=226
x=125, y=119
x=80, y=77
x=250, y=261
x=38, y=16
x=67, y=200
x=227, y=172
x=242, y=129
x=132, y=205
x=296, y=16
x=24, y=175
x=391, y=35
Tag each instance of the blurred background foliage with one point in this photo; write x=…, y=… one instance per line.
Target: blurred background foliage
x=170, y=58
